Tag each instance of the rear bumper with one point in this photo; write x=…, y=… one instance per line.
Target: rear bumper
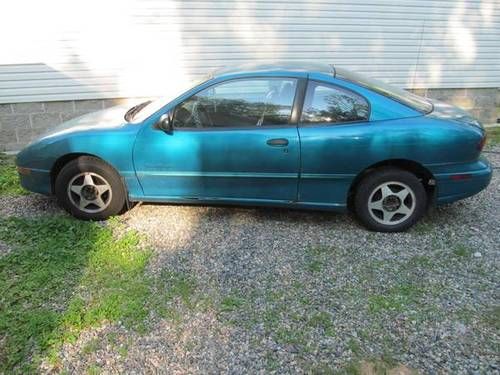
x=36, y=180
x=462, y=181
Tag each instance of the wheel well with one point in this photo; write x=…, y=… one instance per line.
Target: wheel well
x=60, y=163
x=422, y=173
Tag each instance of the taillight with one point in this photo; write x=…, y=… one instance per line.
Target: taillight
x=481, y=143
x=460, y=177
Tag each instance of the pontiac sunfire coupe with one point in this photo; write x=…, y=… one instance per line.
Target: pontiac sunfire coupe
x=304, y=136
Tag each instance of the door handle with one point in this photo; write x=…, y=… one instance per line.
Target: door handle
x=277, y=142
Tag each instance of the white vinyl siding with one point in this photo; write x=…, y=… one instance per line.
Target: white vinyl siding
x=63, y=50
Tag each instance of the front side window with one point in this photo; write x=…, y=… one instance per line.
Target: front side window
x=239, y=103
x=331, y=104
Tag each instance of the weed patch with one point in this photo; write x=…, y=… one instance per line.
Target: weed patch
x=231, y=303
x=398, y=298
x=324, y=321
x=493, y=135
x=462, y=251
x=9, y=179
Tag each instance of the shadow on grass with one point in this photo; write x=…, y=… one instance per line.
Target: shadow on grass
x=61, y=277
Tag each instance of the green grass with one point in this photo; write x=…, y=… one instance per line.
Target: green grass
x=272, y=363
x=354, y=346
x=321, y=369
x=94, y=370
x=461, y=250
x=398, y=298
x=62, y=277
x=324, y=321
x=91, y=347
x=420, y=261
x=424, y=227
x=316, y=258
x=315, y=265
x=378, y=366
x=9, y=179
x=491, y=317
x=176, y=284
x=231, y=303
x=287, y=336
x=123, y=351
x=493, y=135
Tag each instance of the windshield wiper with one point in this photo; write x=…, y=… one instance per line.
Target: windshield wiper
x=129, y=116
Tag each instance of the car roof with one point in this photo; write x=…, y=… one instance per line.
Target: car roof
x=274, y=67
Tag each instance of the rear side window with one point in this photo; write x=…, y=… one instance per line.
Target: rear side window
x=407, y=98
x=239, y=103
x=331, y=104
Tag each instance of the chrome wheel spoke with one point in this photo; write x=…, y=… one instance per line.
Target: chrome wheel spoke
x=388, y=215
x=404, y=210
x=87, y=180
x=83, y=203
x=77, y=189
x=99, y=202
x=386, y=191
x=377, y=205
x=102, y=188
x=403, y=194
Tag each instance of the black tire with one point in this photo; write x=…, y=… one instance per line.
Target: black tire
x=370, y=193
x=114, y=198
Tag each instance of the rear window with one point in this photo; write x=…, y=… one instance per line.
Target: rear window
x=407, y=98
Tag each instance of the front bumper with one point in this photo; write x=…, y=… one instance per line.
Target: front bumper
x=35, y=180
x=462, y=181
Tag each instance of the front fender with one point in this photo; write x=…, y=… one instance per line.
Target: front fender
x=112, y=146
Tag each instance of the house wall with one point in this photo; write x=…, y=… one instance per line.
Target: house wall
x=67, y=57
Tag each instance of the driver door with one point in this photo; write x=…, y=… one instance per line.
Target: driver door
x=231, y=141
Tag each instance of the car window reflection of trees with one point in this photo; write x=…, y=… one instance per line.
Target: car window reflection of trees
x=338, y=106
x=225, y=112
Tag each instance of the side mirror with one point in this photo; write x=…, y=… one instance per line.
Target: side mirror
x=165, y=123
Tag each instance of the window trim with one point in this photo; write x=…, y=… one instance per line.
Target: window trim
x=324, y=124
x=223, y=128
x=298, y=103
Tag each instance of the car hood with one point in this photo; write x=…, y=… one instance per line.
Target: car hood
x=450, y=112
x=106, y=119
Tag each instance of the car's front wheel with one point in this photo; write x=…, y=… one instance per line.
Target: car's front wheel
x=390, y=200
x=90, y=189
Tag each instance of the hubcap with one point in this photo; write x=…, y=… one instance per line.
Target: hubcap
x=391, y=203
x=89, y=192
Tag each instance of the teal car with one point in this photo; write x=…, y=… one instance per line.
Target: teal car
x=298, y=135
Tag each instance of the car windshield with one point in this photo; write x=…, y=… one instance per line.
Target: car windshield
x=142, y=111
x=400, y=95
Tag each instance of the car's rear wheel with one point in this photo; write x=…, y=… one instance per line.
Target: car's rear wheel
x=390, y=200
x=90, y=189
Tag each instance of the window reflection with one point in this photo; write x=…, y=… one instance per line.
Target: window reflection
x=239, y=103
x=329, y=104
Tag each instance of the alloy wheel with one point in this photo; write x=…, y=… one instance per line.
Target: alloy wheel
x=391, y=203
x=89, y=192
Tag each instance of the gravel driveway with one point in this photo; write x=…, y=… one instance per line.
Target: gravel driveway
x=296, y=291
